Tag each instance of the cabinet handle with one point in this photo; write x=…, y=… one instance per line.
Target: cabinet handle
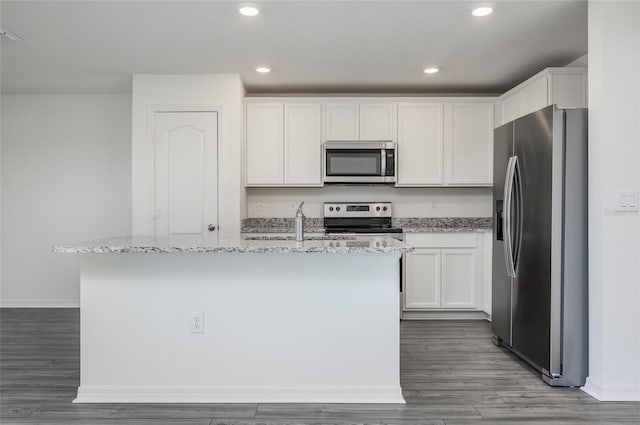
x=212, y=227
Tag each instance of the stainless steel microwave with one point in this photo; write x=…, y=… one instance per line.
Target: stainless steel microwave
x=359, y=162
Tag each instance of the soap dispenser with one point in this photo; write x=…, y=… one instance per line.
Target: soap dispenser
x=299, y=223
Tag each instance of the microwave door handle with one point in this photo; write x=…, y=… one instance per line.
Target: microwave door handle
x=383, y=162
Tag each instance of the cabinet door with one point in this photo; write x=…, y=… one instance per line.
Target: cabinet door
x=568, y=89
x=422, y=279
x=535, y=95
x=376, y=121
x=303, y=144
x=469, y=143
x=420, y=144
x=264, y=123
x=511, y=107
x=459, y=277
x=342, y=121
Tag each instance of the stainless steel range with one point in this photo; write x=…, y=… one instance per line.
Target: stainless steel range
x=360, y=218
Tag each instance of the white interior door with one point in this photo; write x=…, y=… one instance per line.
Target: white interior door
x=185, y=173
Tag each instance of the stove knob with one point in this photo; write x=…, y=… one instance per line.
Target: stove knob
x=337, y=208
x=330, y=208
x=377, y=208
x=384, y=208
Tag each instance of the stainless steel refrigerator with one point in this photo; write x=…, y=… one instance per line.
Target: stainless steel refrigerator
x=539, y=292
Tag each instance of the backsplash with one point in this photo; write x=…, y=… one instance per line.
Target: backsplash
x=407, y=202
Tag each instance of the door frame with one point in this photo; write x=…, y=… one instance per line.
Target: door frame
x=160, y=108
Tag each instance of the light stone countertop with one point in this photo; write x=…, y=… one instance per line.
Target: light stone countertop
x=408, y=225
x=198, y=244
x=430, y=229
x=444, y=224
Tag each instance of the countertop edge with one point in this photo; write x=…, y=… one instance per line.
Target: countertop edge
x=232, y=250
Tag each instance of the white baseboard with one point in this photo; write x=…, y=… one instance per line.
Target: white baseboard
x=211, y=394
x=51, y=303
x=445, y=315
x=612, y=392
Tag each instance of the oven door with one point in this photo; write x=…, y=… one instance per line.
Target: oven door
x=359, y=162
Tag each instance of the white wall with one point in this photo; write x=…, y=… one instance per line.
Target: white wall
x=614, y=238
x=66, y=173
x=223, y=92
x=407, y=202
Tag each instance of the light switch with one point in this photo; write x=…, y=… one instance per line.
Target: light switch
x=627, y=200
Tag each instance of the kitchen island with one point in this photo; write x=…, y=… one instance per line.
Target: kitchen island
x=275, y=320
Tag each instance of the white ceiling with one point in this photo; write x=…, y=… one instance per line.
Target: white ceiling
x=312, y=46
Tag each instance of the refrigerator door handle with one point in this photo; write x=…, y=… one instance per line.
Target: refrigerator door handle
x=519, y=204
x=506, y=221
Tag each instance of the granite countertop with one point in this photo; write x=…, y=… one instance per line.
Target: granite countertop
x=408, y=225
x=173, y=244
x=444, y=224
x=280, y=225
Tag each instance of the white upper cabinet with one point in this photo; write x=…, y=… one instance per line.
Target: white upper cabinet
x=565, y=87
x=440, y=142
x=303, y=144
x=342, y=121
x=420, y=144
x=534, y=94
x=376, y=121
x=511, y=108
x=264, y=143
x=468, y=141
x=284, y=144
x=367, y=121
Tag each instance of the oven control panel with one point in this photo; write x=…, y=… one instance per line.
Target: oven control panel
x=357, y=209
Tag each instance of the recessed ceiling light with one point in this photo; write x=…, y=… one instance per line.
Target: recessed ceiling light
x=431, y=70
x=482, y=11
x=248, y=9
x=8, y=35
x=263, y=69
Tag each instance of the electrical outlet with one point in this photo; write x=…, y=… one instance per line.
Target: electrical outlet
x=627, y=200
x=196, y=322
x=293, y=205
x=434, y=204
x=259, y=206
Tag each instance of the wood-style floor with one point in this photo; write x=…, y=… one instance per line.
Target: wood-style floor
x=451, y=374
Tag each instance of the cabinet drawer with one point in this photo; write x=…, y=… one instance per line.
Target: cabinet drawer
x=442, y=240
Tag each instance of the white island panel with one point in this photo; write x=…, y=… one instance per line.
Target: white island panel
x=278, y=327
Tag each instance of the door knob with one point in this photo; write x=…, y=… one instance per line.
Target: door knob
x=212, y=227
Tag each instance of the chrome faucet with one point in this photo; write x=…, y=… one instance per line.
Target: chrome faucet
x=299, y=223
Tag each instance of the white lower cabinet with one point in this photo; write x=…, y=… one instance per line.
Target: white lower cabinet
x=445, y=272
x=422, y=270
x=459, y=278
